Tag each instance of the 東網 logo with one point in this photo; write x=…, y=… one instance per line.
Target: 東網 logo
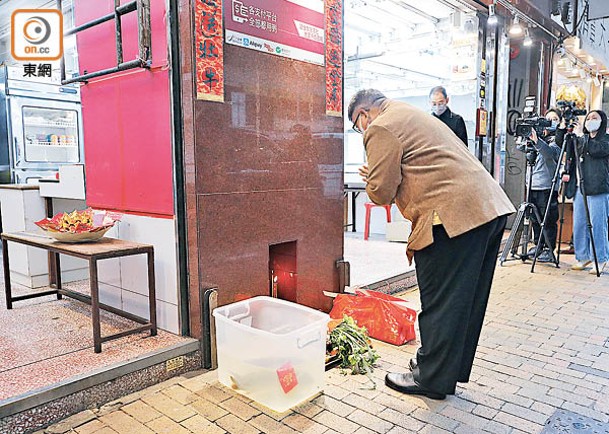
x=37, y=34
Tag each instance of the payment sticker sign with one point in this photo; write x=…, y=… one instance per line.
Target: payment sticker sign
x=287, y=28
x=37, y=34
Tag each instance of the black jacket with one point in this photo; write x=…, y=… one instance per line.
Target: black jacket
x=595, y=162
x=455, y=122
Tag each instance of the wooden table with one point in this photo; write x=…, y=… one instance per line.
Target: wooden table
x=103, y=249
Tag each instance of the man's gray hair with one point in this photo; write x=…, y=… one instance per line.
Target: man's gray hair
x=440, y=89
x=364, y=98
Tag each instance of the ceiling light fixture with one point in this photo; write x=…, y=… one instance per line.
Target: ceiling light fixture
x=492, y=17
x=516, y=28
x=528, y=41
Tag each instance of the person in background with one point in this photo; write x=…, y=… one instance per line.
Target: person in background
x=543, y=175
x=438, y=98
x=593, y=180
x=458, y=214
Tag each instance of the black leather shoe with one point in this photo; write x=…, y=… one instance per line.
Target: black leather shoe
x=405, y=383
x=412, y=365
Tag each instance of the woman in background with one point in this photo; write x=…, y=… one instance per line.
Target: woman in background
x=593, y=148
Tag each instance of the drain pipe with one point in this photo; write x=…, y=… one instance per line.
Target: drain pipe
x=209, y=301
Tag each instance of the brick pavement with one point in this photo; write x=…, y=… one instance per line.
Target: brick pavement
x=544, y=346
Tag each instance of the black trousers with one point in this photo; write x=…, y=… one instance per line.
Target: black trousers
x=540, y=198
x=454, y=277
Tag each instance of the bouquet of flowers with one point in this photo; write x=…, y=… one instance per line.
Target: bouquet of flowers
x=79, y=225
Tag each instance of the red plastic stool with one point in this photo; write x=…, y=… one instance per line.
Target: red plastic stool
x=369, y=206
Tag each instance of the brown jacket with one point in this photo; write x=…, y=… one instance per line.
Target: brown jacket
x=415, y=160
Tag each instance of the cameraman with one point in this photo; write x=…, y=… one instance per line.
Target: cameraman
x=547, y=152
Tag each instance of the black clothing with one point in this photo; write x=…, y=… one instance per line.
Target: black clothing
x=543, y=176
x=595, y=165
x=455, y=122
x=540, y=198
x=454, y=277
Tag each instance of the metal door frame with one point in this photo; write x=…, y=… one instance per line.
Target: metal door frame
x=17, y=133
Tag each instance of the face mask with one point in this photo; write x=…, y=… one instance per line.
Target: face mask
x=552, y=128
x=593, y=125
x=439, y=109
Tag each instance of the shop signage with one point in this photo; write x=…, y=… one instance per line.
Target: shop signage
x=594, y=37
x=598, y=9
x=209, y=50
x=287, y=28
x=334, y=57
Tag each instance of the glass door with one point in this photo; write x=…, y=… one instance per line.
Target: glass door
x=45, y=133
x=51, y=135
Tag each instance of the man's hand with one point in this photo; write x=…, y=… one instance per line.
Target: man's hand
x=363, y=172
x=533, y=137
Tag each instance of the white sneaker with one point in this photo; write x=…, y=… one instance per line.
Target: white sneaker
x=601, y=266
x=580, y=265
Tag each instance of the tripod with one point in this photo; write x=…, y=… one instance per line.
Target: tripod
x=573, y=155
x=547, y=210
x=521, y=229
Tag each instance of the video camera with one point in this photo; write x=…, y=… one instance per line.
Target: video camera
x=569, y=110
x=525, y=125
x=530, y=121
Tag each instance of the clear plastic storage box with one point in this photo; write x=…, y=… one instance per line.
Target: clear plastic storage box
x=271, y=350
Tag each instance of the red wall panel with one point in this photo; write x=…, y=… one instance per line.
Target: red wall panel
x=126, y=116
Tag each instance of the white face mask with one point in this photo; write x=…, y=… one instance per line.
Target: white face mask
x=439, y=109
x=593, y=125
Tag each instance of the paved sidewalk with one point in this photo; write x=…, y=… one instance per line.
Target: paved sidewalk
x=544, y=347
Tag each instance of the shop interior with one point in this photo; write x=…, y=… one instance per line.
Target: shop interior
x=46, y=335
x=403, y=48
x=578, y=77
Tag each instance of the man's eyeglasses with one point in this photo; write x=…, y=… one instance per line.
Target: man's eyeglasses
x=355, y=127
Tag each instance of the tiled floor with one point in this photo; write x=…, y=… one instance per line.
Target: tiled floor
x=45, y=340
x=375, y=259
x=544, y=347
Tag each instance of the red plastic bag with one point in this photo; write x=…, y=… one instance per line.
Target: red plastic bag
x=385, y=317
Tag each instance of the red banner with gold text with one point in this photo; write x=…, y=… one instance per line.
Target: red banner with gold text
x=334, y=57
x=209, y=50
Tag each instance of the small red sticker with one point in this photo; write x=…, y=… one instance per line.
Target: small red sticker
x=287, y=377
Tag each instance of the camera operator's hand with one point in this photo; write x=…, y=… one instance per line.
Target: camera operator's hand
x=533, y=137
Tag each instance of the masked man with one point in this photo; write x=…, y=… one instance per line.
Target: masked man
x=438, y=98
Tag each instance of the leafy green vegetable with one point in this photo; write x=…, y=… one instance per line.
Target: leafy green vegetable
x=353, y=346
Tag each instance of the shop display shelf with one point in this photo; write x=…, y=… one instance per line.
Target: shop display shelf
x=53, y=145
x=50, y=124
